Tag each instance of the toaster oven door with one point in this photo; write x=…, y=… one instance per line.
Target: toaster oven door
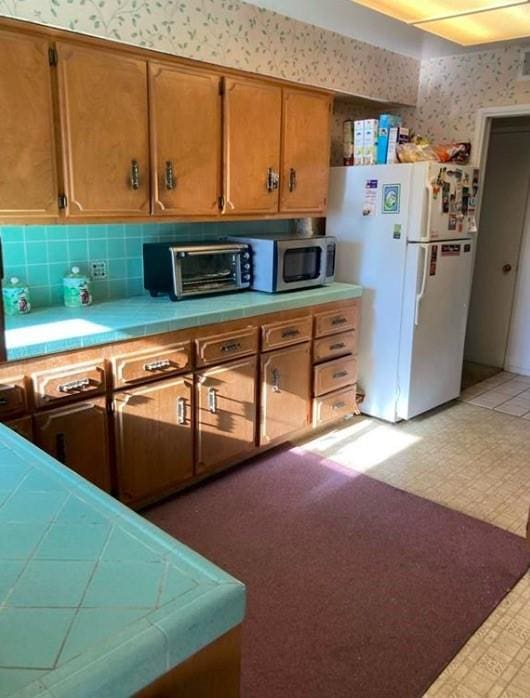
x=207, y=270
x=301, y=263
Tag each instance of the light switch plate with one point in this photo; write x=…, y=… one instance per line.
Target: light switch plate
x=98, y=270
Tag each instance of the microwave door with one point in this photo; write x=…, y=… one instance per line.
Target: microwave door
x=299, y=265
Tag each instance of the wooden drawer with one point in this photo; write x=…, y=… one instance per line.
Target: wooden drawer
x=151, y=363
x=334, y=375
x=280, y=334
x=13, y=397
x=338, y=320
x=335, y=405
x=334, y=346
x=68, y=382
x=224, y=347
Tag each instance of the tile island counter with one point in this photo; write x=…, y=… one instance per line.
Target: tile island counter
x=94, y=600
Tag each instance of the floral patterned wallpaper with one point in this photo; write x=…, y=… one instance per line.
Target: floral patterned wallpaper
x=453, y=88
x=239, y=35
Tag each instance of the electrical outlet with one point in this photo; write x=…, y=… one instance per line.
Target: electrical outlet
x=98, y=271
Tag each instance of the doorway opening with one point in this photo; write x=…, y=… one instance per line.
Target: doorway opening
x=498, y=332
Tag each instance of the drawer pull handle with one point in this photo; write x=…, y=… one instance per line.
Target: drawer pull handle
x=292, y=179
x=339, y=405
x=212, y=400
x=273, y=180
x=3, y=401
x=170, y=177
x=339, y=320
x=340, y=374
x=157, y=365
x=275, y=380
x=290, y=332
x=75, y=386
x=234, y=346
x=181, y=411
x=135, y=174
x=339, y=345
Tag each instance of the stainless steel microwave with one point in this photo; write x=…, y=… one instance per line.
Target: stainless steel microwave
x=184, y=270
x=282, y=263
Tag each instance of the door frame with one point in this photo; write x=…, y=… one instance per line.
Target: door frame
x=480, y=148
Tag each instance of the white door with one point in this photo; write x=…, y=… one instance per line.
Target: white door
x=438, y=278
x=502, y=218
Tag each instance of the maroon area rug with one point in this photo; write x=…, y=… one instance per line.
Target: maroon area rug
x=355, y=588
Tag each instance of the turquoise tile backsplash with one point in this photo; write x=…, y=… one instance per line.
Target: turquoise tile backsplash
x=42, y=255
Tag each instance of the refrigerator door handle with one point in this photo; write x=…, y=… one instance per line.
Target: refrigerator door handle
x=419, y=296
x=430, y=194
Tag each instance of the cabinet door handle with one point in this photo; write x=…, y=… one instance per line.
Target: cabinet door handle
x=275, y=380
x=170, y=178
x=339, y=345
x=292, y=179
x=340, y=320
x=181, y=410
x=233, y=346
x=74, y=386
x=340, y=374
x=212, y=400
x=157, y=365
x=135, y=174
x=273, y=180
x=60, y=447
x=339, y=405
x=290, y=332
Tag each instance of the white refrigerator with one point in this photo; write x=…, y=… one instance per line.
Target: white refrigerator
x=406, y=234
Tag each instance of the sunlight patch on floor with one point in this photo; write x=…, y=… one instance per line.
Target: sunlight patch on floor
x=363, y=445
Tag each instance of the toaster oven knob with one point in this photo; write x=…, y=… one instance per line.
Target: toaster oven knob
x=246, y=267
x=246, y=255
x=246, y=277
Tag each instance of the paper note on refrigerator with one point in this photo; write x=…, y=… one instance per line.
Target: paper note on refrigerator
x=370, y=197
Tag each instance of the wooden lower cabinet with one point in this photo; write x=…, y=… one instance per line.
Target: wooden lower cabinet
x=23, y=426
x=285, y=392
x=77, y=435
x=226, y=413
x=154, y=437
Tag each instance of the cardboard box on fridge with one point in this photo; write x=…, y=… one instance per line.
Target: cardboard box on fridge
x=358, y=142
x=386, y=123
x=371, y=130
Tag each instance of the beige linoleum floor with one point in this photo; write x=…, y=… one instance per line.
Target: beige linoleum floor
x=477, y=461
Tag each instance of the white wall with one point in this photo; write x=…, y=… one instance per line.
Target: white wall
x=518, y=353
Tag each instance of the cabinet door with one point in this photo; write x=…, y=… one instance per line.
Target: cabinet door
x=77, y=436
x=28, y=185
x=226, y=409
x=104, y=121
x=252, y=128
x=285, y=392
x=305, y=151
x=185, y=107
x=23, y=426
x=154, y=438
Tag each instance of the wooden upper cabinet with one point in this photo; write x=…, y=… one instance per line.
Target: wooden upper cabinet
x=185, y=109
x=252, y=135
x=105, y=134
x=28, y=186
x=305, y=151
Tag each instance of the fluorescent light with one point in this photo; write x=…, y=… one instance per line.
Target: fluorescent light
x=414, y=11
x=484, y=27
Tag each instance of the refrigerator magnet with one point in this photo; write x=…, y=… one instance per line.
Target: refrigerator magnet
x=434, y=260
x=446, y=190
x=397, y=231
x=370, y=197
x=452, y=221
x=391, y=198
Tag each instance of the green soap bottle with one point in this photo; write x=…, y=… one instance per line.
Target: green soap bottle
x=16, y=297
x=76, y=289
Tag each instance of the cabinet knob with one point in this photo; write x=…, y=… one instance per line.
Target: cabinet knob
x=181, y=411
x=212, y=400
x=273, y=180
x=170, y=177
x=135, y=174
x=292, y=179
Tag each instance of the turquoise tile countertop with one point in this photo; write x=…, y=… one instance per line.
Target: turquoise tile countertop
x=58, y=329
x=94, y=600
